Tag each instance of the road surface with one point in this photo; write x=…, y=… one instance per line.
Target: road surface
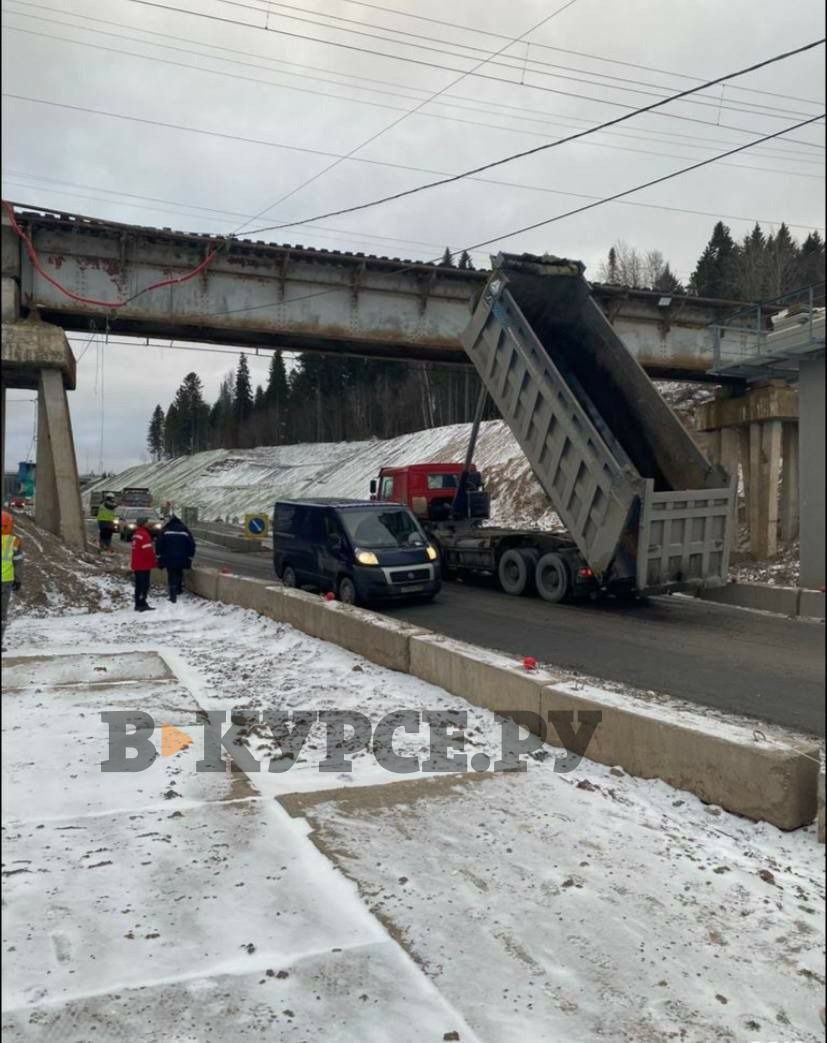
x=742, y=662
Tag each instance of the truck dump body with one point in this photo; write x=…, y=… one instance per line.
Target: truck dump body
x=643, y=505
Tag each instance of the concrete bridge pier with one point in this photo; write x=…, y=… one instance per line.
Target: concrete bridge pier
x=757, y=432
x=36, y=356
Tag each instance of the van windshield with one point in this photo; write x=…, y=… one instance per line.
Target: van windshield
x=374, y=530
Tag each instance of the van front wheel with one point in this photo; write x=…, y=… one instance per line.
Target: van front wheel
x=288, y=577
x=347, y=591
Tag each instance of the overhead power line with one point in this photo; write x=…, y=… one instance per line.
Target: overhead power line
x=22, y=177
x=401, y=119
x=452, y=101
x=310, y=151
x=638, y=188
x=565, y=50
x=433, y=65
x=521, y=67
x=572, y=137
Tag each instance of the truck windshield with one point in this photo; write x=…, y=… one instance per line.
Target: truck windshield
x=374, y=530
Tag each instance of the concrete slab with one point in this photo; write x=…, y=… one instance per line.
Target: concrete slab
x=812, y=604
x=379, y=639
x=257, y=595
x=30, y=347
x=87, y=669
x=202, y=581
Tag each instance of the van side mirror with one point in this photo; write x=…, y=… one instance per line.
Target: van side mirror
x=373, y=487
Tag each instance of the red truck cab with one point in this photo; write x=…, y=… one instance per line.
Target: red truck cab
x=428, y=490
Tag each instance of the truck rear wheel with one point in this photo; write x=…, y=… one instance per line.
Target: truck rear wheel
x=552, y=578
x=516, y=571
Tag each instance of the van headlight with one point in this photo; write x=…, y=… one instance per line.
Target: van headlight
x=366, y=557
x=432, y=553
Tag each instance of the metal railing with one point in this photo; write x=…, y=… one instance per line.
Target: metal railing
x=747, y=336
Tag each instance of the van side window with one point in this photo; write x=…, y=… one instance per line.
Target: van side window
x=386, y=490
x=313, y=529
x=285, y=519
x=332, y=527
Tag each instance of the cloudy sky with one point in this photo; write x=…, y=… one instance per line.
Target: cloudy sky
x=329, y=75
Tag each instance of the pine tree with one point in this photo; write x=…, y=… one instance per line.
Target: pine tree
x=668, y=282
x=782, y=262
x=155, y=435
x=243, y=397
x=714, y=275
x=192, y=415
x=465, y=263
x=447, y=259
x=811, y=266
x=172, y=433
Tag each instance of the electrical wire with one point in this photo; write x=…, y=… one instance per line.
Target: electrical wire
x=533, y=115
x=564, y=50
x=754, y=110
x=114, y=305
x=401, y=119
x=562, y=141
x=19, y=176
x=636, y=188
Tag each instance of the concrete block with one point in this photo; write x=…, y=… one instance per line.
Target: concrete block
x=235, y=542
x=30, y=347
x=720, y=763
x=783, y=600
x=381, y=640
x=254, y=594
x=812, y=604
x=305, y=612
x=203, y=582
x=483, y=678
x=821, y=822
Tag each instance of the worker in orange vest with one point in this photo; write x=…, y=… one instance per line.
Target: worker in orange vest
x=12, y=565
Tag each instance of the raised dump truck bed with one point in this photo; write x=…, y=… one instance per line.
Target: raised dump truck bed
x=643, y=505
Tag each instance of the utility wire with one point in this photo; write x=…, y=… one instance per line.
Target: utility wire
x=532, y=115
x=319, y=152
x=423, y=62
x=563, y=50
x=572, y=137
x=511, y=129
x=401, y=119
x=754, y=109
x=20, y=177
x=639, y=188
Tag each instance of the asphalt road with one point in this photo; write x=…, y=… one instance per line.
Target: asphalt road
x=762, y=666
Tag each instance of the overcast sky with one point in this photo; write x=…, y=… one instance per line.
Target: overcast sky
x=315, y=94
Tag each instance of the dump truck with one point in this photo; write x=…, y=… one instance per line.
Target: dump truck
x=645, y=512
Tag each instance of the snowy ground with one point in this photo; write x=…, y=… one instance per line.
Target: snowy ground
x=189, y=906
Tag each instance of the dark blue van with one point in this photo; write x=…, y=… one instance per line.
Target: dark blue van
x=361, y=551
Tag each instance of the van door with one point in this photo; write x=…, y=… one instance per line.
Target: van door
x=333, y=551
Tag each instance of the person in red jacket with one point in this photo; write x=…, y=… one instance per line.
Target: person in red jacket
x=142, y=563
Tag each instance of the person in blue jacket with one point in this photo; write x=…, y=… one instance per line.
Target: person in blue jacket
x=175, y=547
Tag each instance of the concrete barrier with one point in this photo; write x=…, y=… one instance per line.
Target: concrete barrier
x=254, y=594
x=821, y=819
x=812, y=604
x=483, y=678
x=384, y=641
x=782, y=600
x=720, y=763
x=232, y=541
x=203, y=582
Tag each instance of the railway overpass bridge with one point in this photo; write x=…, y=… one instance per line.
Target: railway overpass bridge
x=271, y=296
x=64, y=272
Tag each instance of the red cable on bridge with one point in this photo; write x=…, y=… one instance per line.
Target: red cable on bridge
x=32, y=252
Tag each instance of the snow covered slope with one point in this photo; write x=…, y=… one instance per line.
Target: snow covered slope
x=226, y=483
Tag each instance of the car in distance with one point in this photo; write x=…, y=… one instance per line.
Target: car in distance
x=127, y=521
x=361, y=551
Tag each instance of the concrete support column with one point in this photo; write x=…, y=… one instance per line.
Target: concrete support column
x=789, y=483
x=764, y=536
x=812, y=472
x=60, y=510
